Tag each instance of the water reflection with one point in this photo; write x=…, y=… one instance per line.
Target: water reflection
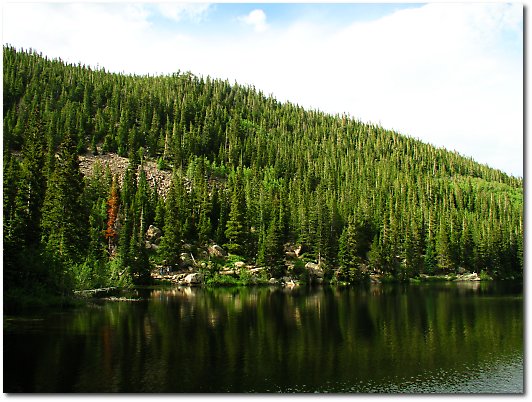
x=383, y=338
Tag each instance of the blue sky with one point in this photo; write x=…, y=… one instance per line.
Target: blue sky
x=448, y=73
x=223, y=14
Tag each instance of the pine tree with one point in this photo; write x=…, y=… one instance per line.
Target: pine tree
x=236, y=227
x=31, y=186
x=443, y=251
x=273, y=250
x=348, y=255
x=173, y=223
x=64, y=220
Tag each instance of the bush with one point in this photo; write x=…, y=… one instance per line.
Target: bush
x=300, y=272
x=484, y=276
x=161, y=164
x=223, y=280
x=118, y=274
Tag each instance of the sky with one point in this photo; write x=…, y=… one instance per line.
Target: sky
x=450, y=74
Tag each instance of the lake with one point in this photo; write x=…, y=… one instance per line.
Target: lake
x=438, y=337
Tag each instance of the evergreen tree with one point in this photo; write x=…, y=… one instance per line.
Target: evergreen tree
x=273, y=250
x=236, y=227
x=64, y=220
x=31, y=186
x=348, y=254
x=443, y=250
x=173, y=223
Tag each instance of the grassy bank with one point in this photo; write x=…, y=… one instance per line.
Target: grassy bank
x=18, y=300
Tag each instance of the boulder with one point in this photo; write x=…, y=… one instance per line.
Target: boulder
x=256, y=271
x=216, y=251
x=153, y=234
x=273, y=281
x=290, y=284
x=314, y=270
x=291, y=255
x=240, y=264
x=375, y=278
x=312, y=265
x=471, y=277
x=194, y=279
x=186, y=260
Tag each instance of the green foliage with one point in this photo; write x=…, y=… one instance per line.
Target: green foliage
x=236, y=228
x=63, y=216
x=174, y=222
x=223, y=280
x=259, y=174
x=162, y=164
x=273, y=256
x=299, y=271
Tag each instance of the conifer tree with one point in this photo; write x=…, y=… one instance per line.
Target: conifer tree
x=173, y=223
x=236, y=227
x=273, y=249
x=443, y=251
x=349, y=259
x=31, y=186
x=64, y=220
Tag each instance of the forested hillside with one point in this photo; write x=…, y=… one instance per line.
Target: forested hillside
x=248, y=173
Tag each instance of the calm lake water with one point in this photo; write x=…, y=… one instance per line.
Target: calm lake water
x=445, y=338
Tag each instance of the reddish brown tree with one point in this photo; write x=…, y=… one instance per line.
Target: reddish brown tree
x=111, y=233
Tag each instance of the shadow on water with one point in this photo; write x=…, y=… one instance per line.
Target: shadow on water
x=377, y=338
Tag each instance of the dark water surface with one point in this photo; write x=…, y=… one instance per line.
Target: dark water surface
x=442, y=338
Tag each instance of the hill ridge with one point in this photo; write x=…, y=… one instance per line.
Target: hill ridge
x=357, y=197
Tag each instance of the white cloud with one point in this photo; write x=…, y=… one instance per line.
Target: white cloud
x=178, y=11
x=257, y=19
x=449, y=74
x=110, y=35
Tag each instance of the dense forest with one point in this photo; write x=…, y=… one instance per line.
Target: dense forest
x=249, y=173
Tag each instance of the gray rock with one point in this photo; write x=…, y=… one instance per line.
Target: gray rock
x=273, y=281
x=314, y=270
x=194, y=279
x=471, y=277
x=256, y=271
x=312, y=265
x=186, y=260
x=216, y=251
x=153, y=234
x=291, y=255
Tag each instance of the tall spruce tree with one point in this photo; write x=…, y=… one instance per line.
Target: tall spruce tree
x=173, y=221
x=64, y=220
x=236, y=227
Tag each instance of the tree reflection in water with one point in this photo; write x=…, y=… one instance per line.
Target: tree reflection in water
x=269, y=339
